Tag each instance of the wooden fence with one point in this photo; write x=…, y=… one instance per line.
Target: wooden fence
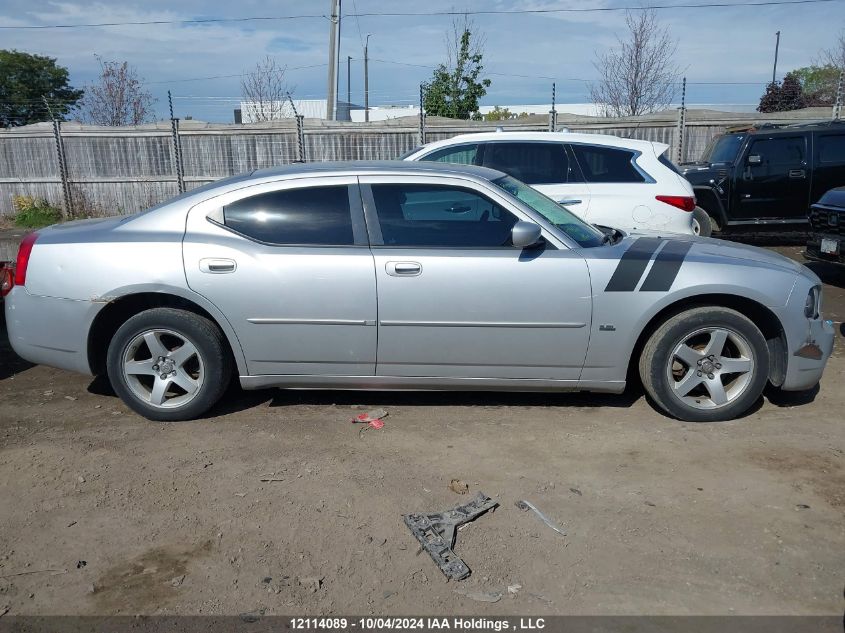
x=123, y=170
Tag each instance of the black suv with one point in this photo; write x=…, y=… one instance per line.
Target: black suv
x=769, y=175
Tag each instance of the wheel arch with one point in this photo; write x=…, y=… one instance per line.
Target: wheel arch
x=118, y=310
x=769, y=324
x=707, y=199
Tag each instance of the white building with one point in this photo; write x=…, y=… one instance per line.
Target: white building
x=253, y=111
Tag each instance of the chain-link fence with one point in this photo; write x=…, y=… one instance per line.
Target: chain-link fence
x=90, y=170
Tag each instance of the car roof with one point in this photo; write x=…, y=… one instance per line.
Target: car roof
x=377, y=166
x=566, y=137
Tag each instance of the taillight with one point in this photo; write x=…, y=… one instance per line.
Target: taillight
x=24, y=252
x=685, y=203
x=7, y=279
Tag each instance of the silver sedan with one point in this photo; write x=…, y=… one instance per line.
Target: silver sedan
x=407, y=276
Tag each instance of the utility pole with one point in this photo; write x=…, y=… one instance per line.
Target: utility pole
x=367, y=78
x=331, y=96
x=349, y=79
x=337, y=60
x=777, y=45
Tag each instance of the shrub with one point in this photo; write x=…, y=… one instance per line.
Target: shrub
x=33, y=213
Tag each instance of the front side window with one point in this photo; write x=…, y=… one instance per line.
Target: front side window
x=582, y=233
x=532, y=163
x=317, y=216
x=607, y=164
x=776, y=156
x=459, y=154
x=440, y=216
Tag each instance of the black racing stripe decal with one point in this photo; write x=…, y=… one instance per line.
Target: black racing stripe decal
x=666, y=266
x=632, y=265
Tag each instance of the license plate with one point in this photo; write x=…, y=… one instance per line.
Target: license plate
x=829, y=246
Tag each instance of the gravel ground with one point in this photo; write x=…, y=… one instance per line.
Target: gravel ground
x=277, y=502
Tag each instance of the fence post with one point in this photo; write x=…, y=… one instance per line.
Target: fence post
x=682, y=121
x=553, y=112
x=837, y=105
x=67, y=208
x=177, y=147
x=300, y=132
x=422, y=115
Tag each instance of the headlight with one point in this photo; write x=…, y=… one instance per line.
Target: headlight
x=812, y=306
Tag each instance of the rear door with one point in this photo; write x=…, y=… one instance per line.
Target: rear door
x=614, y=181
x=289, y=265
x=456, y=300
x=773, y=179
x=545, y=165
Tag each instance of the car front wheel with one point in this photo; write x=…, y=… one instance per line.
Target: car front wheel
x=705, y=365
x=168, y=364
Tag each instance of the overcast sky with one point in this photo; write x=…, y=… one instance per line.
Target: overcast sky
x=734, y=44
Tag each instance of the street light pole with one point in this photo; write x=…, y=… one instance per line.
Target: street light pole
x=367, y=79
x=777, y=45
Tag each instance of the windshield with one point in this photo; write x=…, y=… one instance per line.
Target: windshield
x=574, y=227
x=723, y=149
x=405, y=155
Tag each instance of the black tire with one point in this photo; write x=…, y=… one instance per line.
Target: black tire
x=210, y=367
x=701, y=219
x=664, y=375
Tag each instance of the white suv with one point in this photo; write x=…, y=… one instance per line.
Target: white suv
x=608, y=181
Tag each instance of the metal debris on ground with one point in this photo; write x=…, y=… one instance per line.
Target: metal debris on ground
x=458, y=486
x=481, y=596
x=436, y=533
x=527, y=505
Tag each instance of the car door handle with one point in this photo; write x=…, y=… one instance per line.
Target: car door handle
x=403, y=269
x=797, y=173
x=569, y=201
x=217, y=266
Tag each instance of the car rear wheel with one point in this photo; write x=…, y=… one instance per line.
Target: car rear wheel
x=168, y=364
x=705, y=365
x=701, y=223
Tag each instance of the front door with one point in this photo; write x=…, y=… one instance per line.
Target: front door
x=774, y=179
x=289, y=266
x=457, y=300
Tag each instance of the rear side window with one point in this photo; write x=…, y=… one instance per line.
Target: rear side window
x=831, y=149
x=459, y=154
x=532, y=163
x=664, y=160
x=310, y=215
x=440, y=216
x=606, y=164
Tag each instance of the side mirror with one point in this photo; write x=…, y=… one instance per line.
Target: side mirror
x=525, y=234
x=754, y=159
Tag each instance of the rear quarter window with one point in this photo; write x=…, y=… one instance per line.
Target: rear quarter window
x=831, y=149
x=319, y=216
x=607, y=164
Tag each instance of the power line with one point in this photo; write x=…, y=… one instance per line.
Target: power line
x=707, y=5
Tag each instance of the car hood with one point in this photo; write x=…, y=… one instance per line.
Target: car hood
x=711, y=250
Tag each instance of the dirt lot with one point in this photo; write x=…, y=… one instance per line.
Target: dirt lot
x=102, y=512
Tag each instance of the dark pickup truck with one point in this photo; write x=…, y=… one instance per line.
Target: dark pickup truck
x=767, y=177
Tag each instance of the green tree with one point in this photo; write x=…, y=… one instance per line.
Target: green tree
x=782, y=97
x=499, y=114
x=818, y=84
x=456, y=87
x=26, y=81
